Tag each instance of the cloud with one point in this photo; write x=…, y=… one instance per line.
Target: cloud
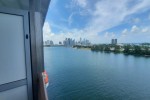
x=56, y=37
x=144, y=30
x=74, y=34
x=79, y=7
x=126, y=36
x=70, y=19
x=105, y=14
x=135, y=35
x=47, y=34
x=76, y=4
x=136, y=20
x=82, y=3
x=109, y=35
x=124, y=32
x=108, y=14
x=134, y=29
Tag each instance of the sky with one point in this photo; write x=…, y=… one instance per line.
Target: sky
x=98, y=21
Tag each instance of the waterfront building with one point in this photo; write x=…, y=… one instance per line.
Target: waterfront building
x=69, y=42
x=83, y=42
x=114, y=41
x=49, y=42
x=80, y=40
x=60, y=43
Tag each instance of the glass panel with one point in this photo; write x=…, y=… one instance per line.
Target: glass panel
x=19, y=93
x=12, y=55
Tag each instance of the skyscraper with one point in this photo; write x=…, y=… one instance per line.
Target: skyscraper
x=69, y=42
x=114, y=41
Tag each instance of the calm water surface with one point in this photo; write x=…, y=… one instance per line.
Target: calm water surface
x=77, y=74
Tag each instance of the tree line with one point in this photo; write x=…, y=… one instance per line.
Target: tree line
x=132, y=49
x=127, y=49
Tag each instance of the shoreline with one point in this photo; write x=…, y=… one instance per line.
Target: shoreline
x=140, y=55
x=82, y=48
x=88, y=48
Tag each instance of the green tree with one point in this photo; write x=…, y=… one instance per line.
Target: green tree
x=117, y=48
x=127, y=49
x=137, y=50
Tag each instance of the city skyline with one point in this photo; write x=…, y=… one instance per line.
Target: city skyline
x=68, y=42
x=98, y=21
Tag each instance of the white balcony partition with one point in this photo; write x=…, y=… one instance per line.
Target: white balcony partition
x=19, y=93
x=12, y=50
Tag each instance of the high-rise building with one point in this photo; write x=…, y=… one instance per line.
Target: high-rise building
x=60, y=43
x=114, y=41
x=69, y=42
x=80, y=40
x=48, y=42
x=51, y=43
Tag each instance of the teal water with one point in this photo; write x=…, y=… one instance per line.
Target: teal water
x=77, y=74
